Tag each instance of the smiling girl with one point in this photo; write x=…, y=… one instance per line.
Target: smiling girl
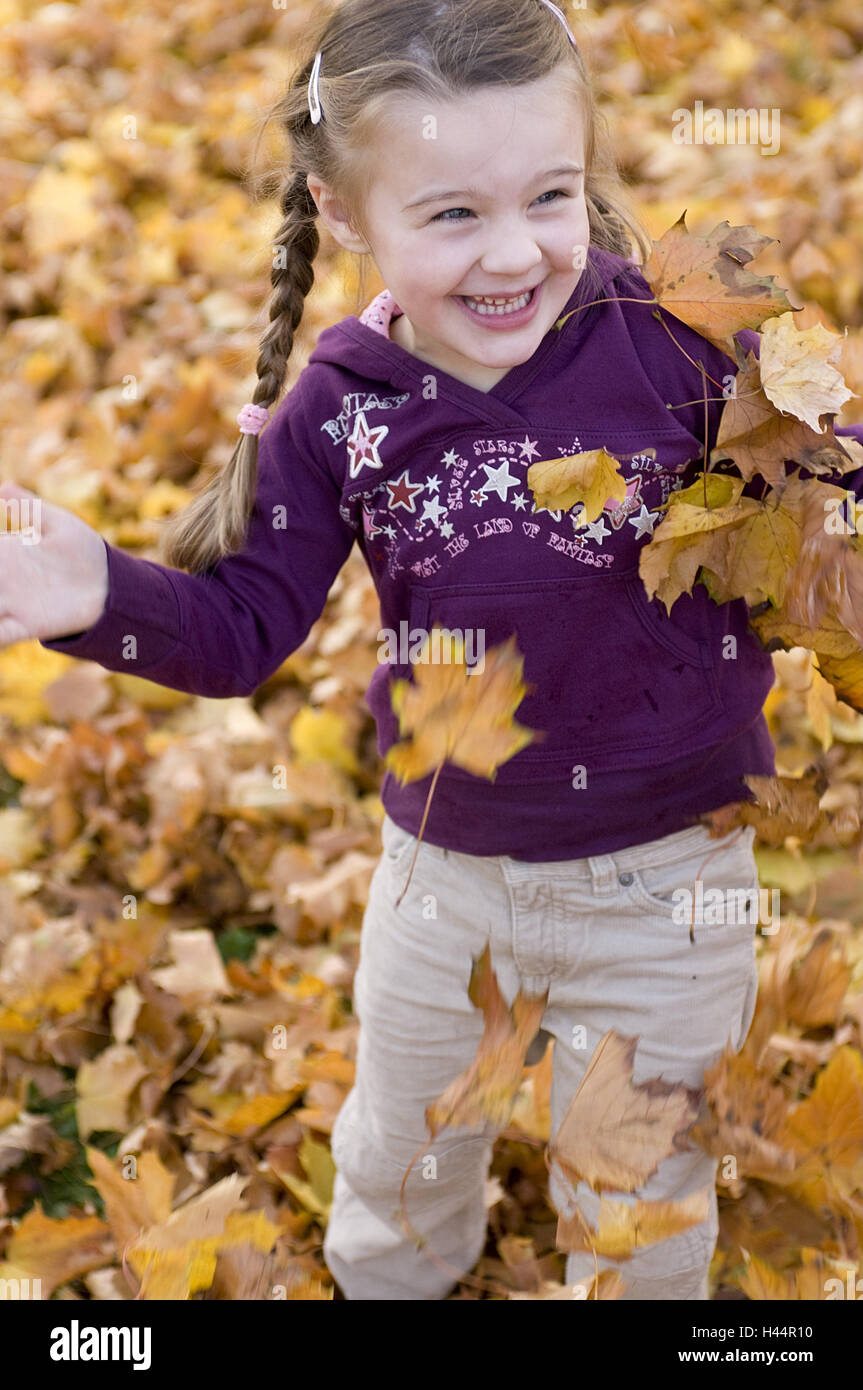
x=457, y=143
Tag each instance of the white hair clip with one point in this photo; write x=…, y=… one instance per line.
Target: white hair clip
x=314, y=97
x=562, y=17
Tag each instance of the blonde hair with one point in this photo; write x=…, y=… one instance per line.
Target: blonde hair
x=372, y=50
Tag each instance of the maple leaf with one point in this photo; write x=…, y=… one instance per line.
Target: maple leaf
x=459, y=717
x=743, y=1113
x=745, y=548
x=681, y=543
x=783, y=806
x=704, y=281
x=759, y=439
x=827, y=1130
x=55, y=1251
x=816, y=986
x=593, y=478
x=615, y=1134
x=797, y=374
x=839, y=657
x=485, y=1093
x=628, y=1226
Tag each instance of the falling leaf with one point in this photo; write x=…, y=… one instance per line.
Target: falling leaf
x=459, y=717
x=615, y=1133
x=484, y=1094
x=625, y=1227
x=743, y=1116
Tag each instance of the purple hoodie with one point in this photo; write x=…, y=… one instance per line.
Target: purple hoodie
x=649, y=718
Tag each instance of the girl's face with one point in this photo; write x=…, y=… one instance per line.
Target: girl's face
x=483, y=196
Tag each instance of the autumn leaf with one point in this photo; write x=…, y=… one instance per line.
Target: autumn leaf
x=759, y=439
x=760, y=1281
x=458, y=717
x=132, y=1204
x=682, y=542
x=625, y=1227
x=827, y=1130
x=783, y=806
x=176, y=1257
x=744, y=547
x=105, y=1086
x=743, y=1114
x=839, y=656
x=484, y=1094
x=797, y=372
x=55, y=1251
x=615, y=1134
x=593, y=478
x=827, y=579
x=704, y=280
x=817, y=984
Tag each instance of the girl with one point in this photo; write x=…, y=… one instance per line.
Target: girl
x=457, y=142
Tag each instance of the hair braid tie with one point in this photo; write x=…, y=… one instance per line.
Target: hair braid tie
x=252, y=418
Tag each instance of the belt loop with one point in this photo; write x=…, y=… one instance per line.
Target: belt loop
x=603, y=871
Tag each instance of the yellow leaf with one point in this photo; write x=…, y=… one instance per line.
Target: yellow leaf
x=796, y=371
x=56, y=1251
x=321, y=735
x=459, y=716
x=104, y=1089
x=593, y=478
x=625, y=1227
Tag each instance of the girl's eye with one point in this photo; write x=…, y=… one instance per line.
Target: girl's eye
x=553, y=193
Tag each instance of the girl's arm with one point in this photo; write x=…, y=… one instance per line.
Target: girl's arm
x=226, y=632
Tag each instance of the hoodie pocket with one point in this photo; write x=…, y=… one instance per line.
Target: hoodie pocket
x=616, y=681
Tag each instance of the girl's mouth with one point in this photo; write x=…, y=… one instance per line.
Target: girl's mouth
x=500, y=312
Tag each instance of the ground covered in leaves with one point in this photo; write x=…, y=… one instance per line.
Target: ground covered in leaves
x=183, y=880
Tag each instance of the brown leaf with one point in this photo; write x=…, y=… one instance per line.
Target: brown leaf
x=615, y=1134
x=484, y=1094
x=703, y=280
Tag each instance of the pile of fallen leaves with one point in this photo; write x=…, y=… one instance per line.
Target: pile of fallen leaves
x=182, y=881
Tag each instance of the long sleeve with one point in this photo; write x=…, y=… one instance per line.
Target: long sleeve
x=225, y=632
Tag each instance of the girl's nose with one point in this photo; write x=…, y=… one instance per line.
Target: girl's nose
x=511, y=251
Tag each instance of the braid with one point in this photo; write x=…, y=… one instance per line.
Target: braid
x=214, y=524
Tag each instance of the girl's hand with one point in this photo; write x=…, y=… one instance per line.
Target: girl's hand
x=53, y=569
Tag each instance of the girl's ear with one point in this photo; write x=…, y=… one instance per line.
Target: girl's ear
x=335, y=217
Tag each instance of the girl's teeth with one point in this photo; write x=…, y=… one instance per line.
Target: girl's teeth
x=499, y=306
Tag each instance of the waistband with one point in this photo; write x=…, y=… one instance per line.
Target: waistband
x=670, y=849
